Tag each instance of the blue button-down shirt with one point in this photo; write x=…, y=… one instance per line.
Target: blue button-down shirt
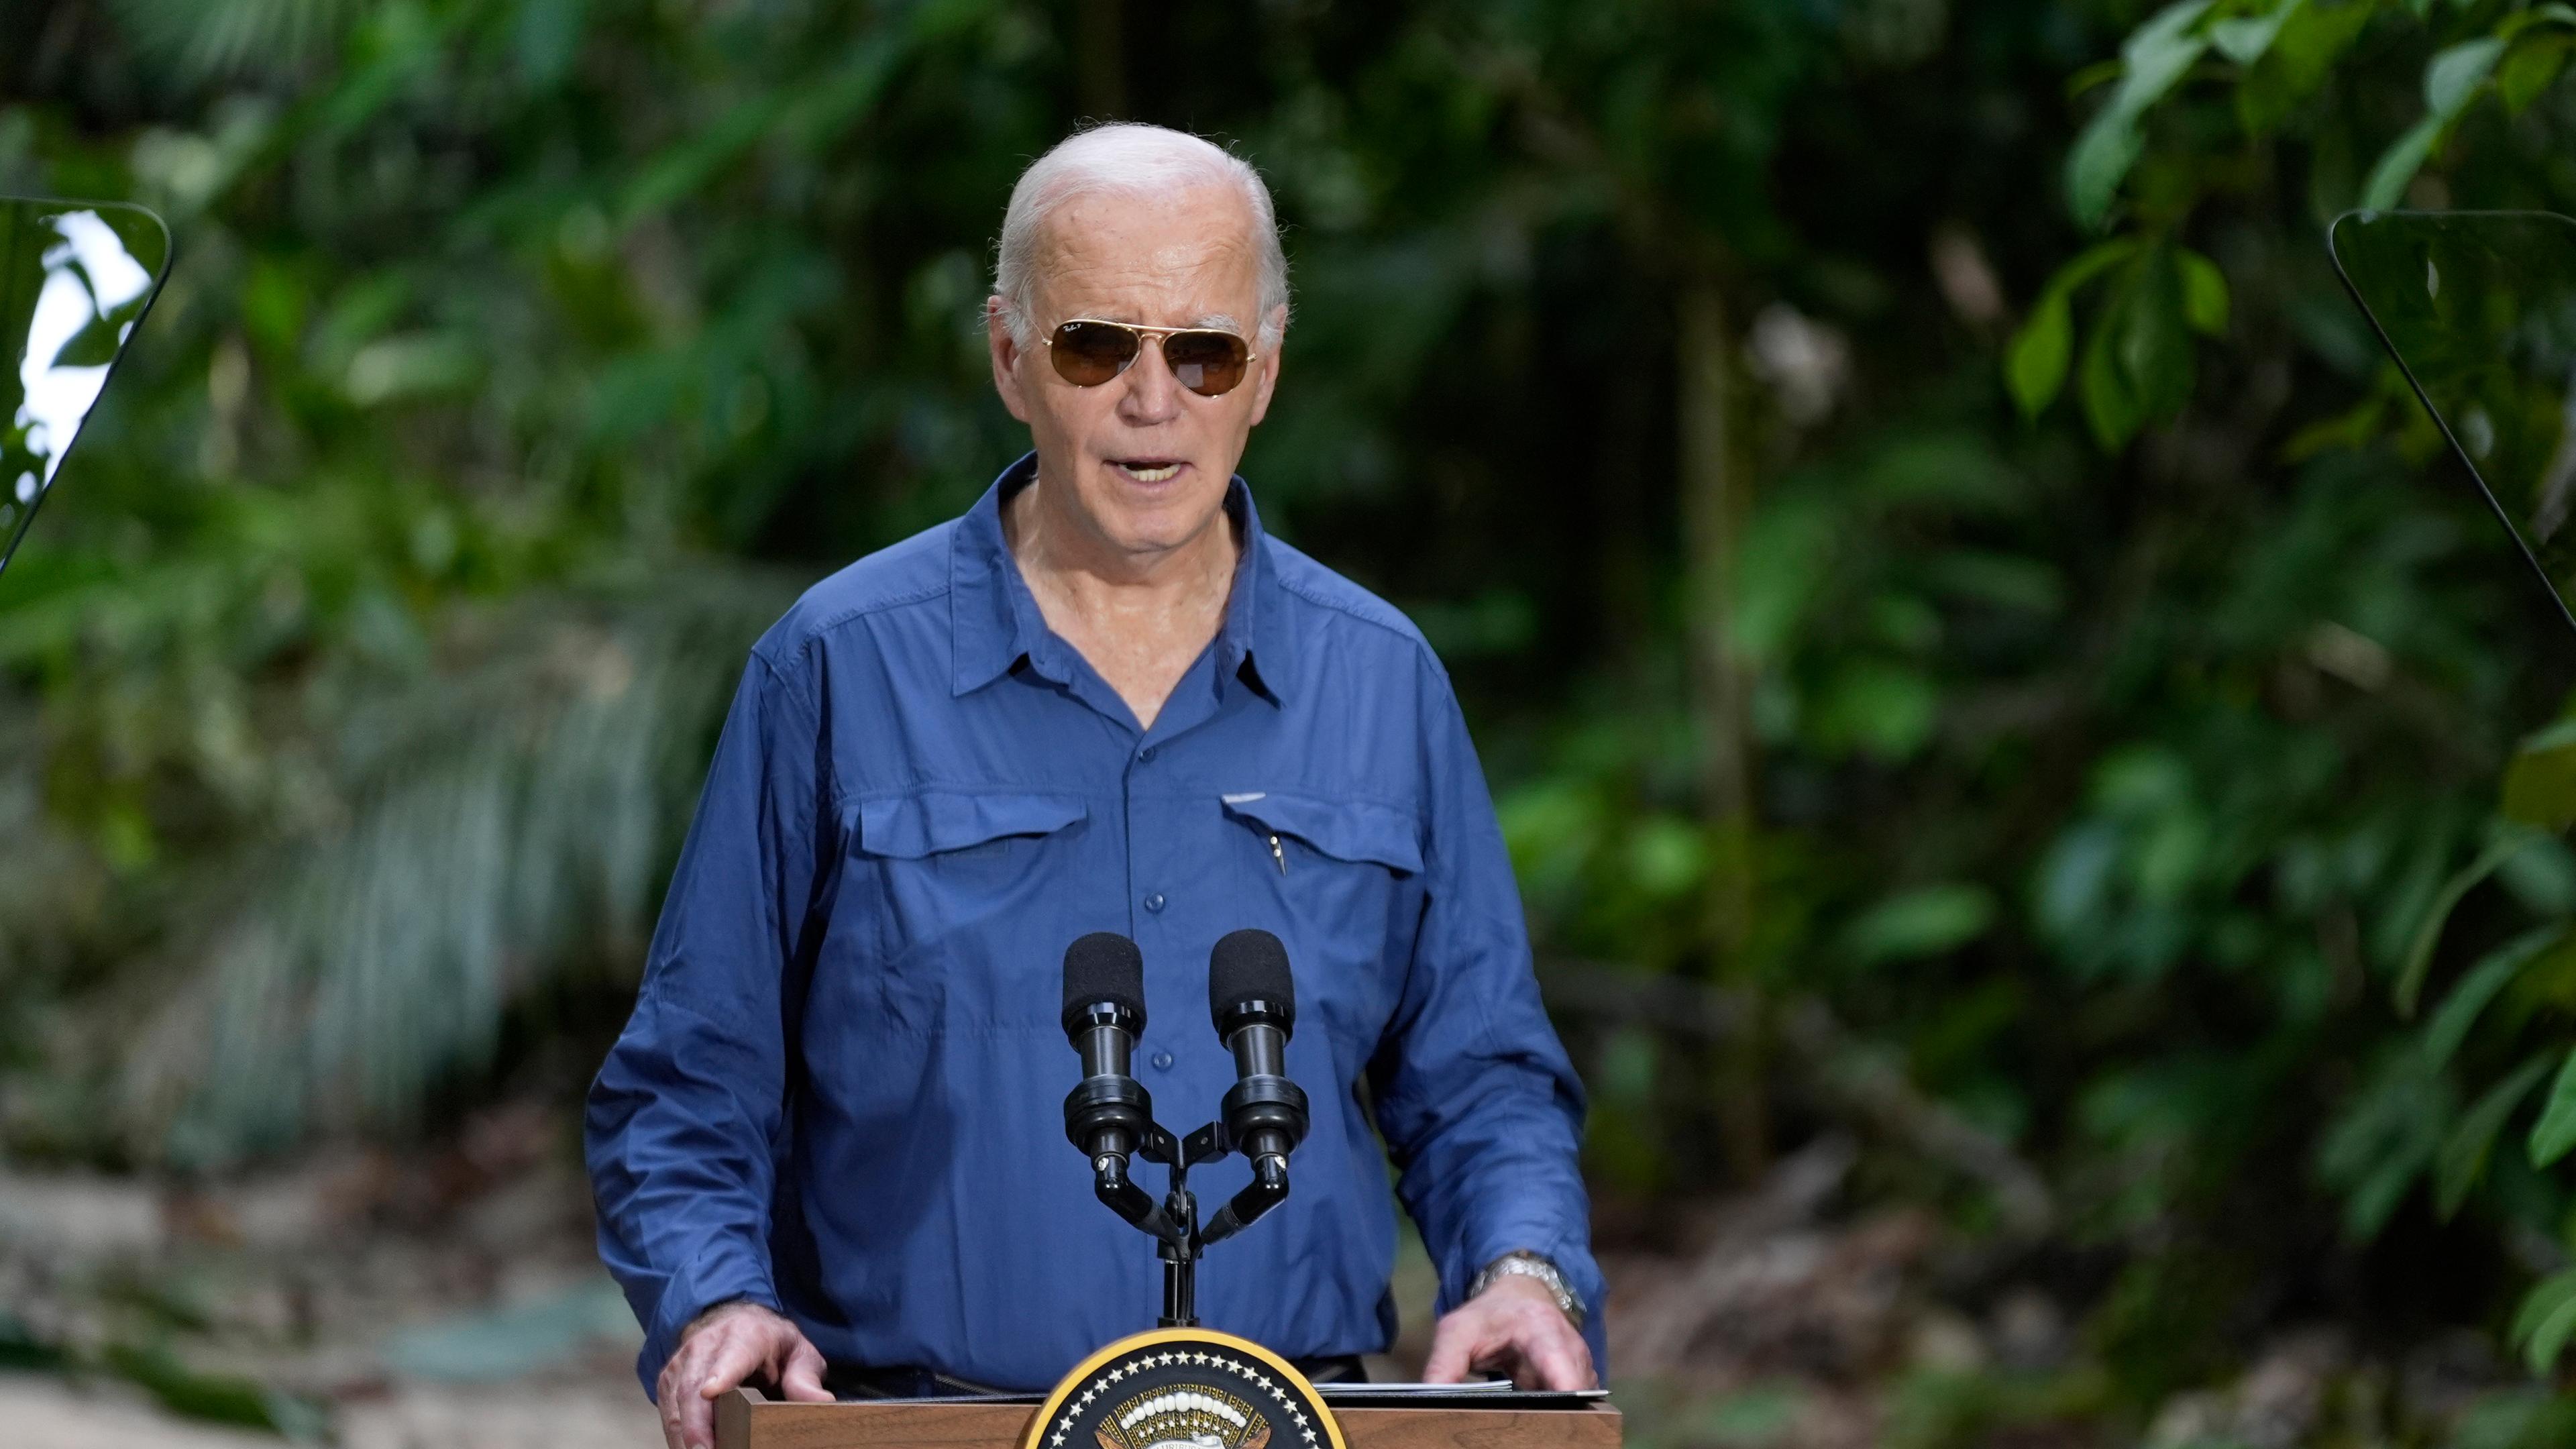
x=841, y=1092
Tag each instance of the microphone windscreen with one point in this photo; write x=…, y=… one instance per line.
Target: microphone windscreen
x=1104, y=966
x=1246, y=966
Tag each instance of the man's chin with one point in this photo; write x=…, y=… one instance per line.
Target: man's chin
x=1142, y=541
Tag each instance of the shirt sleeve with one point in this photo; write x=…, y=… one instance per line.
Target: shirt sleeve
x=1475, y=1096
x=682, y=1132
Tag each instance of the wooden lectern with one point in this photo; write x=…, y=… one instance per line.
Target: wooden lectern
x=747, y=1420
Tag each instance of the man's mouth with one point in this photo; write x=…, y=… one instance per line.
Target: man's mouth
x=1147, y=470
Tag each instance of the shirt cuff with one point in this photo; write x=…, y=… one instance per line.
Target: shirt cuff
x=719, y=1277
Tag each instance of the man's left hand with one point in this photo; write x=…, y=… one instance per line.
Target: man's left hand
x=1513, y=1327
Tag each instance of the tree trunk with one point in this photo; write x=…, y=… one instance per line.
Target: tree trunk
x=1716, y=488
x=1714, y=496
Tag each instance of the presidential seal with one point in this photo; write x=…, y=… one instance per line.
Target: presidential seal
x=1184, y=1388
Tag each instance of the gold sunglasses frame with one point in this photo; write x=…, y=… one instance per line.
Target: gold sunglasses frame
x=1157, y=336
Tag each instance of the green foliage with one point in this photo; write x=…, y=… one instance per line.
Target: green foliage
x=2545, y=1320
x=2540, y=784
x=2463, y=1158
x=2555, y=1132
x=2288, y=91
x=215, y=1398
x=2036, y=363
x=2451, y=80
x=2133, y=810
x=2153, y=60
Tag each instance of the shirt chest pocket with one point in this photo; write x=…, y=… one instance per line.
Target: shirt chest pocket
x=954, y=868
x=963, y=832
x=1345, y=881
x=1319, y=833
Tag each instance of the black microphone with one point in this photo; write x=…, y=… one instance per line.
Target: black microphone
x=1108, y=1113
x=1104, y=1013
x=1253, y=998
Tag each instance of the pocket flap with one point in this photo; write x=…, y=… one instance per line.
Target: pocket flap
x=912, y=826
x=1344, y=829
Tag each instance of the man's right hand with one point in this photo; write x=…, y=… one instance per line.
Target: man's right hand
x=721, y=1348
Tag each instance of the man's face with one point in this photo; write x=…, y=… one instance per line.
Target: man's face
x=1139, y=462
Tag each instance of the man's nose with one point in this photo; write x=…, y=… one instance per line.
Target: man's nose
x=1153, y=394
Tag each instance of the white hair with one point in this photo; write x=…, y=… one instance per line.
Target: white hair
x=1126, y=159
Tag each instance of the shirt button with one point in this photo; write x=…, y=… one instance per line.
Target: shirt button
x=1145, y=755
x=1162, y=1061
x=1154, y=902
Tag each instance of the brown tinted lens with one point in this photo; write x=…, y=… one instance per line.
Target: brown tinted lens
x=1207, y=363
x=1088, y=354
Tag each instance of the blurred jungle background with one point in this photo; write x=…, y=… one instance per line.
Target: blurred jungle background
x=2037, y=789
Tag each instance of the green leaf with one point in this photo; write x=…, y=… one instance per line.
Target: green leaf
x=2156, y=345
x=410, y=364
x=2100, y=161
x=2452, y=77
x=2099, y=73
x=2245, y=38
x=548, y=39
x=2111, y=407
x=2464, y=1153
x=2155, y=57
x=2204, y=293
x=1877, y=708
x=2398, y=165
x=2529, y=70
x=2545, y=1319
x=396, y=50
x=2542, y=878
x=1926, y=921
x=2138, y=362
x=2389, y=1134
x=2419, y=956
x=2092, y=262
x=2035, y=362
x=2299, y=60
x=836, y=100
x=2159, y=52
x=2555, y=1132
x=2479, y=987
x=2451, y=80
x=679, y=169
x=211, y=1397
x=2555, y=13
x=2540, y=783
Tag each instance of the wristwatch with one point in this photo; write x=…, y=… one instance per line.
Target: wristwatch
x=1523, y=1264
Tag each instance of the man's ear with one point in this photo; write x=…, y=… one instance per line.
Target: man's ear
x=1005, y=351
x=1277, y=326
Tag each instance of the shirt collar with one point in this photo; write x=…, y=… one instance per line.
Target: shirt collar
x=994, y=623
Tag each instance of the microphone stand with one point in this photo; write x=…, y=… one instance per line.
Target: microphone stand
x=1174, y=1222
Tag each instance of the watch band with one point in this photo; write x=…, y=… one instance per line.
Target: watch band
x=1525, y=1264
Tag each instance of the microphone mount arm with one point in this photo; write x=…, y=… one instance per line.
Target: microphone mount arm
x=1173, y=1223
x=1110, y=1115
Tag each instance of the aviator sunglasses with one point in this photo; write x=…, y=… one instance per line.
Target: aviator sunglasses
x=1208, y=361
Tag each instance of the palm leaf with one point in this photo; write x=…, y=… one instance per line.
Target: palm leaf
x=503, y=823
x=205, y=39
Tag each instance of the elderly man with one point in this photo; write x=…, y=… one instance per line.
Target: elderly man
x=828, y=1149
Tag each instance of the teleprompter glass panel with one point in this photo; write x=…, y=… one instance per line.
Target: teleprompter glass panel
x=2479, y=309
x=75, y=280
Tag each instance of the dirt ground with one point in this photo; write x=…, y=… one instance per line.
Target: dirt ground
x=454, y=1301
x=44, y=1412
